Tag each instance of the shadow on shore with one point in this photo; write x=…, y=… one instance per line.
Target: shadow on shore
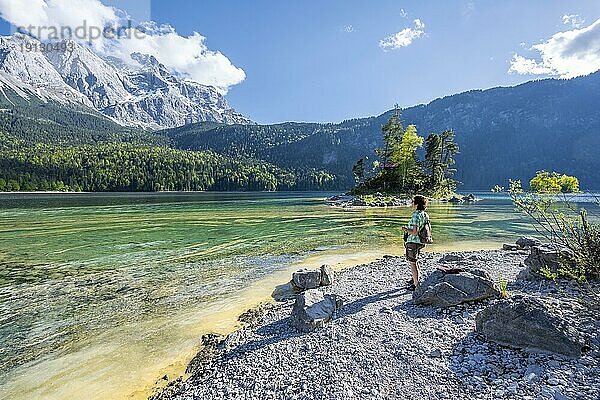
x=281, y=330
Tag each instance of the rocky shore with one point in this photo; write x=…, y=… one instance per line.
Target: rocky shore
x=380, y=344
x=386, y=200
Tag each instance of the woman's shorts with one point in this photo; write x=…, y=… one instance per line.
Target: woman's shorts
x=413, y=250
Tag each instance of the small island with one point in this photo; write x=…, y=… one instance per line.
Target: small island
x=397, y=173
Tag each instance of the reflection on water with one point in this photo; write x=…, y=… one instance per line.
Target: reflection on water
x=99, y=293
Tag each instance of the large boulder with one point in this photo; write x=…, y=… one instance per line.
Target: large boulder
x=527, y=242
x=303, y=279
x=528, y=323
x=310, y=279
x=287, y=291
x=547, y=256
x=441, y=289
x=313, y=310
x=307, y=279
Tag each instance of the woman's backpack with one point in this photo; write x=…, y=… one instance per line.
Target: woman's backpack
x=425, y=232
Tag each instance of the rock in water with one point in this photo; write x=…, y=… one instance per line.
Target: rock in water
x=307, y=279
x=313, y=310
x=527, y=323
x=525, y=241
x=510, y=247
x=445, y=290
x=549, y=256
x=470, y=198
x=326, y=275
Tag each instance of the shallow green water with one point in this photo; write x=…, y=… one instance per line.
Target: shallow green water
x=79, y=270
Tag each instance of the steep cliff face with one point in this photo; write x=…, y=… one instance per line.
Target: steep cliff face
x=142, y=93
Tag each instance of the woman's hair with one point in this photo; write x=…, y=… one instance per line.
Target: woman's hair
x=420, y=202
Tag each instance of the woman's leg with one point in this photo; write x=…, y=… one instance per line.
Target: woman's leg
x=412, y=254
x=414, y=269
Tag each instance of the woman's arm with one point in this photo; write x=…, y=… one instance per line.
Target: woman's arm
x=414, y=230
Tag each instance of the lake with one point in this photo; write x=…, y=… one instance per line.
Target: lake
x=103, y=294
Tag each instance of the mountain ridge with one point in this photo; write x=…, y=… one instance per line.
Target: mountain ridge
x=145, y=94
x=504, y=133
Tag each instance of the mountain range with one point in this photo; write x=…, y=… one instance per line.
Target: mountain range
x=78, y=98
x=503, y=133
x=143, y=93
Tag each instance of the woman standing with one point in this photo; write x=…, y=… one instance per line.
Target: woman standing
x=413, y=241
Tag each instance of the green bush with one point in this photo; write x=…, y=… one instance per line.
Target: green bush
x=562, y=223
x=546, y=182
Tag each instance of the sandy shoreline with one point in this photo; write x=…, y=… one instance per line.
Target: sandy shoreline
x=381, y=345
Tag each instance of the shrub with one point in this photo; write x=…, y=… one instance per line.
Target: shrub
x=556, y=218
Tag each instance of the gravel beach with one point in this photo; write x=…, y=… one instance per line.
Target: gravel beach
x=380, y=345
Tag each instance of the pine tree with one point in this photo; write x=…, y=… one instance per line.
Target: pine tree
x=439, y=157
x=449, y=149
x=358, y=170
x=392, y=136
x=433, y=160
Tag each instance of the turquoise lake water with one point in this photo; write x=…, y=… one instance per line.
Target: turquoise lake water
x=101, y=294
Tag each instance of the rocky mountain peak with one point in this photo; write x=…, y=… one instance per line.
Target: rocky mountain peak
x=144, y=94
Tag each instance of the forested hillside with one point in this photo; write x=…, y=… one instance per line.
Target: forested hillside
x=35, y=121
x=331, y=147
x=513, y=132
x=135, y=167
x=503, y=133
x=49, y=146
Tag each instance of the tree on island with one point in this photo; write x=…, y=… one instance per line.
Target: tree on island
x=405, y=161
x=392, y=136
x=439, y=157
x=400, y=171
x=546, y=182
x=358, y=170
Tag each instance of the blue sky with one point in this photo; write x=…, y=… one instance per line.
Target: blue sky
x=324, y=60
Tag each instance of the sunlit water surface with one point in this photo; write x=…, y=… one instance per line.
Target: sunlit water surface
x=103, y=294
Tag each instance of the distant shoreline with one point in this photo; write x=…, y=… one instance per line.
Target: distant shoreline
x=379, y=200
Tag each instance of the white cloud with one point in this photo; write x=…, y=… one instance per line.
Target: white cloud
x=403, y=13
x=403, y=38
x=188, y=56
x=565, y=54
x=348, y=29
x=43, y=17
x=573, y=19
x=527, y=66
